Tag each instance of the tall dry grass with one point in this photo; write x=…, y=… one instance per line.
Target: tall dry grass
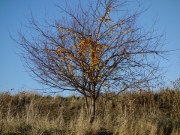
x=131, y=113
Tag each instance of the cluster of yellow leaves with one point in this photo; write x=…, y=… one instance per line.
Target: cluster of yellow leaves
x=88, y=47
x=60, y=27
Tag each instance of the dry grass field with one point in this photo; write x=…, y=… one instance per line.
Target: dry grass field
x=131, y=113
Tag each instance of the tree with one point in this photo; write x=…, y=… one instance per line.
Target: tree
x=92, y=51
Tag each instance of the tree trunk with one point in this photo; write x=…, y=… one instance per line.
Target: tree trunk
x=93, y=109
x=87, y=105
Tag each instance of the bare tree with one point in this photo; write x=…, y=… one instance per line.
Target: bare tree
x=92, y=51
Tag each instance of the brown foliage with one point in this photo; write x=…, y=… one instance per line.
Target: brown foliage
x=129, y=113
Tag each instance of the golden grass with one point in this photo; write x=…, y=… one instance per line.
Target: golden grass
x=131, y=113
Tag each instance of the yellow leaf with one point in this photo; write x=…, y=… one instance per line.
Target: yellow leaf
x=143, y=54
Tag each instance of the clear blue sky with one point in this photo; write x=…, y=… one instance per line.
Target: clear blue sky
x=14, y=13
